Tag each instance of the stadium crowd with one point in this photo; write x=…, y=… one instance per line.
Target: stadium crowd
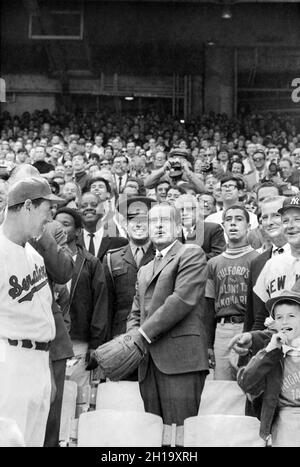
x=208, y=209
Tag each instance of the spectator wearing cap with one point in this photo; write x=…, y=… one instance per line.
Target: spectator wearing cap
x=272, y=230
x=272, y=375
x=183, y=171
x=88, y=297
x=122, y=264
x=27, y=323
x=282, y=271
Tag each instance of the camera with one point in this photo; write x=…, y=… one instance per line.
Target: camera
x=207, y=167
x=273, y=168
x=175, y=169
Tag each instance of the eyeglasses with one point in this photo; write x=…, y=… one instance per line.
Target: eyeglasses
x=258, y=159
x=228, y=187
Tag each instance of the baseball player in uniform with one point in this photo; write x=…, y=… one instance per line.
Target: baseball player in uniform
x=26, y=321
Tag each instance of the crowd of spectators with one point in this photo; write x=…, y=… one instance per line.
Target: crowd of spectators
x=154, y=155
x=108, y=170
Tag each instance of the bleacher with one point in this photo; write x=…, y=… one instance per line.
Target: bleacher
x=112, y=414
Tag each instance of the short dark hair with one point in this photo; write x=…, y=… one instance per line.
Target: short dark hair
x=99, y=179
x=208, y=193
x=71, y=212
x=230, y=164
x=239, y=182
x=94, y=155
x=121, y=155
x=178, y=188
x=237, y=206
x=161, y=182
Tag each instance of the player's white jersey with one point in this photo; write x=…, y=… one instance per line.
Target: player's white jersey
x=279, y=273
x=25, y=295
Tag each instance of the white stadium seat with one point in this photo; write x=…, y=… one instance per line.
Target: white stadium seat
x=222, y=397
x=222, y=431
x=119, y=395
x=112, y=428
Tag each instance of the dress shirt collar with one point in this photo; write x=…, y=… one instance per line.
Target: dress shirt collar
x=165, y=250
x=134, y=247
x=285, y=248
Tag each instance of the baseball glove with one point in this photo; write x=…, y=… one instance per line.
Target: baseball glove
x=121, y=356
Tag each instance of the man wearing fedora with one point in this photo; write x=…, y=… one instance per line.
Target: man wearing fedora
x=121, y=265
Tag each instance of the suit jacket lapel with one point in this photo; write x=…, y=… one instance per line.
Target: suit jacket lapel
x=128, y=256
x=166, y=259
x=104, y=246
x=80, y=260
x=148, y=256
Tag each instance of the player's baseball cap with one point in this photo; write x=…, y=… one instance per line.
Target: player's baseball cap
x=30, y=188
x=289, y=203
x=290, y=295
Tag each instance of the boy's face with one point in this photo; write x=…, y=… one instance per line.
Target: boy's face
x=236, y=225
x=287, y=320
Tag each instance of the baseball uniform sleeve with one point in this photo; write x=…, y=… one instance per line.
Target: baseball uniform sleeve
x=260, y=288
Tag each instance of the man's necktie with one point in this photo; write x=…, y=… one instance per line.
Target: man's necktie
x=278, y=251
x=157, y=261
x=92, y=245
x=139, y=253
x=120, y=184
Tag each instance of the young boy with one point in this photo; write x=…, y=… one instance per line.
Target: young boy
x=274, y=373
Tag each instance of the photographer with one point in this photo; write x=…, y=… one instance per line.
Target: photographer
x=177, y=168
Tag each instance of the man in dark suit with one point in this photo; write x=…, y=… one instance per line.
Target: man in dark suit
x=167, y=311
x=208, y=235
x=88, y=297
x=94, y=235
x=256, y=311
x=121, y=265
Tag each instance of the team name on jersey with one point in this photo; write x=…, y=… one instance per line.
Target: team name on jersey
x=19, y=286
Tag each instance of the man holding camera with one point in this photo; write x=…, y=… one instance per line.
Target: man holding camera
x=177, y=168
